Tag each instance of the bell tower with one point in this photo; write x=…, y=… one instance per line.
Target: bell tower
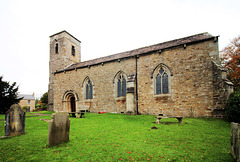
x=65, y=50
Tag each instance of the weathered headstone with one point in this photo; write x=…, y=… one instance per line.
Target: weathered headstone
x=15, y=121
x=59, y=127
x=235, y=141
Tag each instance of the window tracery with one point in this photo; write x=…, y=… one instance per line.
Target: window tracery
x=88, y=88
x=161, y=80
x=120, y=84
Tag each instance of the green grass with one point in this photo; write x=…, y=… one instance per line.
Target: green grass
x=41, y=112
x=116, y=137
x=34, y=114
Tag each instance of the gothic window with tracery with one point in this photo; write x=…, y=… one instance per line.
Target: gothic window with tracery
x=161, y=81
x=89, y=89
x=121, y=86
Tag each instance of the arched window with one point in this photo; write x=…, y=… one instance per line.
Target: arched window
x=162, y=82
x=120, y=84
x=161, y=76
x=88, y=88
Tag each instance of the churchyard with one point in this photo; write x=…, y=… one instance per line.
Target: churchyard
x=116, y=137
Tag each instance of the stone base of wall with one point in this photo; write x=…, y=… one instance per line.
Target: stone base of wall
x=130, y=113
x=219, y=113
x=235, y=140
x=50, y=107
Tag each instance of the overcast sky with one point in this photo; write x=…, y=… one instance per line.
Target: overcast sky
x=104, y=27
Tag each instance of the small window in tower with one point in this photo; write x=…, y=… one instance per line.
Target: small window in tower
x=56, y=48
x=73, y=50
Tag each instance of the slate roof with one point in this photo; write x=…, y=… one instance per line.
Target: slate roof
x=26, y=96
x=144, y=50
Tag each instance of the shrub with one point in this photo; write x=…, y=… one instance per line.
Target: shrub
x=25, y=108
x=38, y=105
x=233, y=107
x=44, y=106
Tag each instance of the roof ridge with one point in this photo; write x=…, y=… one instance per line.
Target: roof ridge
x=65, y=32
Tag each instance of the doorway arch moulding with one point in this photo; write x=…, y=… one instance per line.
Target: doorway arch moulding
x=70, y=101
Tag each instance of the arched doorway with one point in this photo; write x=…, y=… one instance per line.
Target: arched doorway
x=70, y=101
x=73, y=104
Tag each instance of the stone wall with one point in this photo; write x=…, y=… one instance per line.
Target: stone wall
x=191, y=82
x=222, y=88
x=104, y=92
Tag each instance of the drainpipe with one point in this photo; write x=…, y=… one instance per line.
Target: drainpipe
x=136, y=79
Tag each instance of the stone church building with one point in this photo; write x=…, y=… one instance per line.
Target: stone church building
x=182, y=77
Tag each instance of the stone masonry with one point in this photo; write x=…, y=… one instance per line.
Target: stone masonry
x=61, y=58
x=191, y=66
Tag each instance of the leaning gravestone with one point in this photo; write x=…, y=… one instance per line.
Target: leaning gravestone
x=15, y=121
x=59, y=126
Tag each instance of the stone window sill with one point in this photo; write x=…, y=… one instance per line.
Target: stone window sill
x=88, y=100
x=121, y=98
x=161, y=95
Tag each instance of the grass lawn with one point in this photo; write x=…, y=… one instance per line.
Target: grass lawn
x=41, y=112
x=116, y=137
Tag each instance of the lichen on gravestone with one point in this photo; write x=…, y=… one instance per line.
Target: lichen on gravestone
x=235, y=140
x=59, y=127
x=15, y=121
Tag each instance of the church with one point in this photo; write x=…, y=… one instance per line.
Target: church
x=181, y=77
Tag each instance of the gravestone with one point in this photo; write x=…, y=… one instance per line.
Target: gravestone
x=15, y=121
x=235, y=140
x=59, y=126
